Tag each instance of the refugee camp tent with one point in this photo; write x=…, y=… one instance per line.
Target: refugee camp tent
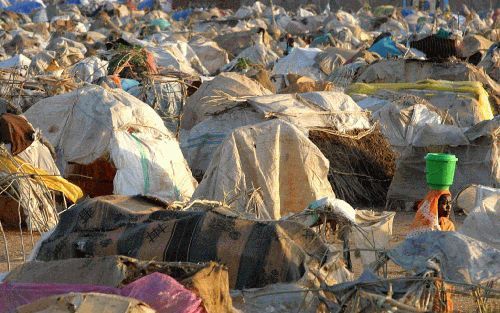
x=200, y=142
x=475, y=109
x=490, y=63
x=313, y=110
x=460, y=258
x=409, y=70
x=223, y=92
x=210, y=54
x=372, y=233
x=172, y=57
x=255, y=55
x=234, y=42
x=483, y=209
x=300, y=61
x=165, y=94
x=401, y=115
x=269, y=169
x=476, y=150
x=256, y=253
x=89, y=69
x=121, y=130
x=309, y=111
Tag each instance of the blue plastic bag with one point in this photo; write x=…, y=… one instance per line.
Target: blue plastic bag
x=385, y=47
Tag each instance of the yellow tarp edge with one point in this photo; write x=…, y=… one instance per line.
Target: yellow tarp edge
x=70, y=190
x=472, y=87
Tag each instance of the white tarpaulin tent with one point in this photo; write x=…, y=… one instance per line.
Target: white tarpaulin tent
x=257, y=54
x=200, y=143
x=301, y=61
x=270, y=169
x=332, y=110
x=483, y=218
x=476, y=150
x=210, y=54
x=93, y=122
x=225, y=91
x=322, y=109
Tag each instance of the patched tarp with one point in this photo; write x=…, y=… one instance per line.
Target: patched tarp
x=309, y=110
x=460, y=258
x=256, y=253
x=271, y=169
x=476, y=150
x=483, y=216
x=224, y=92
x=93, y=122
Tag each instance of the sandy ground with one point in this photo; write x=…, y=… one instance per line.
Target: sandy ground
x=15, y=247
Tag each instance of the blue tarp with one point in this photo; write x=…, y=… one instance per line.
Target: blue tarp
x=182, y=15
x=24, y=7
x=407, y=12
x=75, y=2
x=128, y=84
x=385, y=47
x=146, y=5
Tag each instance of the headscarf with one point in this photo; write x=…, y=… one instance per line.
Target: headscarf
x=426, y=217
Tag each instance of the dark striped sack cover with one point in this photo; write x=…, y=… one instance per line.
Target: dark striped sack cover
x=256, y=253
x=435, y=47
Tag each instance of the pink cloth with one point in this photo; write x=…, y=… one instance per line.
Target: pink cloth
x=164, y=294
x=160, y=291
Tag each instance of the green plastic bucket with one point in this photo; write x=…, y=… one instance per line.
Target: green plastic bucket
x=440, y=170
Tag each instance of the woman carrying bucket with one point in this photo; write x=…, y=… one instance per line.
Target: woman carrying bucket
x=434, y=211
x=434, y=214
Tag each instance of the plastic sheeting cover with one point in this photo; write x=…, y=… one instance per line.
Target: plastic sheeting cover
x=373, y=230
x=483, y=222
x=328, y=109
x=284, y=167
x=462, y=259
x=83, y=130
x=160, y=291
x=301, y=61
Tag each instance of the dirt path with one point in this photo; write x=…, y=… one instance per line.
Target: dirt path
x=15, y=247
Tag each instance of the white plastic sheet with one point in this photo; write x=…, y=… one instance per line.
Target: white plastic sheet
x=150, y=165
x=93, y=122
x=270, y=169
x=373, y=231
x=483, y=220
x=300, y=61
